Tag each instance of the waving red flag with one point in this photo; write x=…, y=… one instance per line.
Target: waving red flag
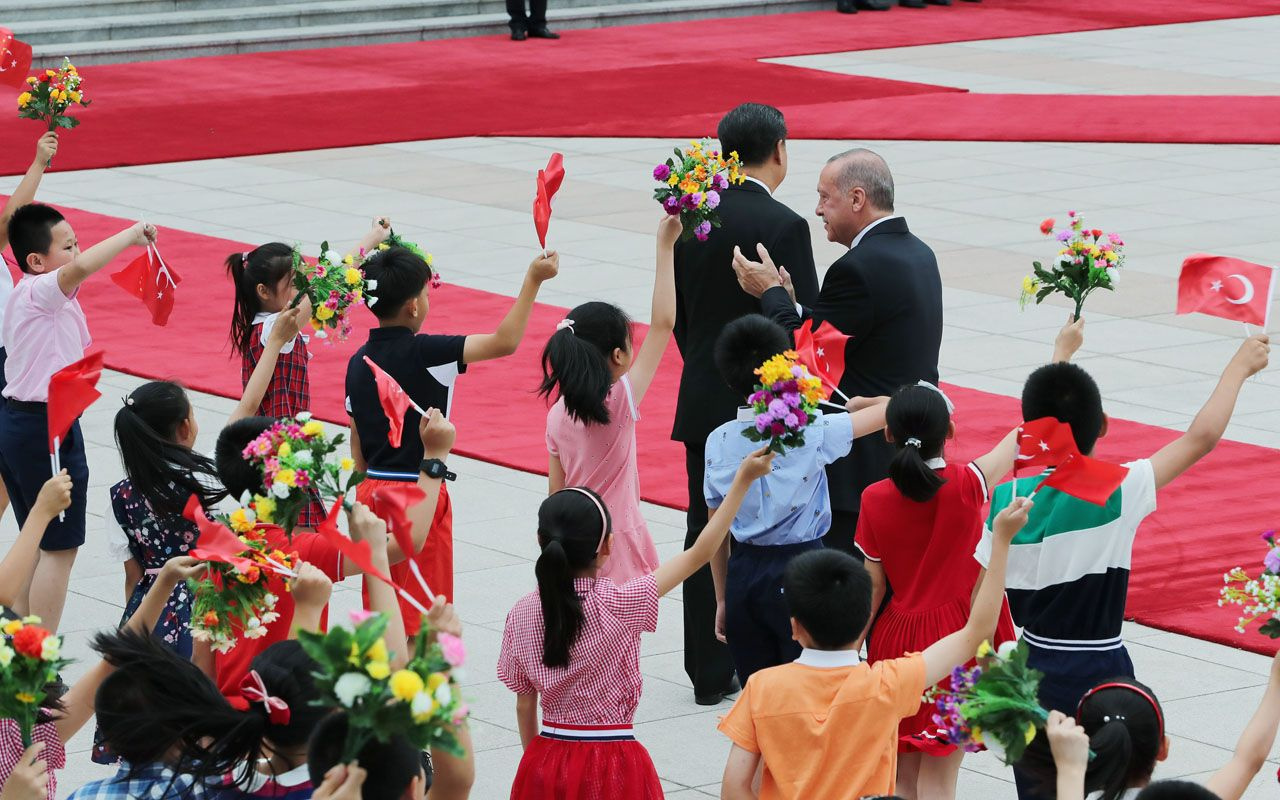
x=395, y=402
x=152, y=281
x=392, y=504
x=1225, y=287
x=216, y=542
x=72, y=389
x=1044, y=442
x=15, y=60
x=542, y=210
x=1087, y=478
x=821, y=349
x=553, y=175
x=359, y=552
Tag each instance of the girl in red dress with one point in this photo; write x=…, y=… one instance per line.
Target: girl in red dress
x=918, y=531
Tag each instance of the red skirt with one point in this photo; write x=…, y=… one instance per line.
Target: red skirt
x=897, y=632
x=583, y=769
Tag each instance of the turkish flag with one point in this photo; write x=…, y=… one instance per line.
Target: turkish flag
x=152, y=281
x=542, y=210
x=395, y=403
x=1087, y=478
x=359, y=552
x=1225, y=287
x=72, y=389
x=216, y=542
x=821, y=349
x=553, y=175
x=392, y=504
x=15, y=60
x=1044, y=442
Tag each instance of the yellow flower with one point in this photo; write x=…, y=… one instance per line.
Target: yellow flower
x=12, y=626
x=25, y=697
x=348, y=260
x=265, y=507
x=975, y=734
x=984, y=649
x=31, y=81
x=1029, y=285
x=317, y=325
x=689, y=186
x=23, y=99
x=405, y=683
x=346, y=464
x=284, y=450
x=429, y=259
x=378, y=670
x=1030, y=733
x=384, y=246
x=323, y=313
x=378, y=652
x=313, y=428
x=240, y=521
x=435, y=680
x=50, y=73
x=352, y=276
x=673, y=180
x=287, y=476
x=354, y=657
x=75, y=97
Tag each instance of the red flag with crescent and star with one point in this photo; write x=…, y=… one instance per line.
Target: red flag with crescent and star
x=821, y=348
x=1043, y=442
x=15, y=60
x=1226, y=287
x=152, y=281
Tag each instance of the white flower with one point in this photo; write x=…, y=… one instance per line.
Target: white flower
x=252, y=622
x=303, y=416
x=255, y=633
x=50, y=647
x=444, y=695
x=322, y=334
x=1006, y=649
x=6, y=655
x=332, y=256
x=280, y=490
x=269, y=617
x=422, y=705
x=1113, y=275
x=269, y=600
x=371, y=284
x=351, y=687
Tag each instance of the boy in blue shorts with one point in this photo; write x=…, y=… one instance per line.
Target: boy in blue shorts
x=1068, y=574
x=784, y=514
x=45, y=330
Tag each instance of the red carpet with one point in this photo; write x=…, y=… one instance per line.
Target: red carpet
x=632, y=81
x=1181, y=552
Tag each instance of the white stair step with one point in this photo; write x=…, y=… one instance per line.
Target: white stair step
x=15, y=11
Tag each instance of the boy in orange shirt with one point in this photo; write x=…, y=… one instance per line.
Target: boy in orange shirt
x=826, y=725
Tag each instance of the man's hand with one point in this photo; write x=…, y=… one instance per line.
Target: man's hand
x=669, y=230
x=544, y=268
x=437, y=434
x=1011, y=519
x=756, y=277
x=1252, y=356
x=46, y=148
x=30, y=777
x=143, y=233
x=342, y=782
x=1069, y=339
x=312, y=587
x=55, y=495
x=720, y=623
x=786, y=283
x=443, y=618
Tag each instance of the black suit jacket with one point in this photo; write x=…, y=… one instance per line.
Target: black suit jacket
x=708, y=297
x=886, y=293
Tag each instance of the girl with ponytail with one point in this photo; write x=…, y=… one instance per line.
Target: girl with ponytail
x=918, y=530
x=601, y=381
x=575, y=643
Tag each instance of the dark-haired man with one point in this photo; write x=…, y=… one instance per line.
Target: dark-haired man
x=707, y=299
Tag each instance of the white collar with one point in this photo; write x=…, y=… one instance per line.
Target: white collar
x=762, y=183
x=294, y=777
x=263, y=316
x=829, y=659
x=746, y=414
x=858, y=239
x=936, y=463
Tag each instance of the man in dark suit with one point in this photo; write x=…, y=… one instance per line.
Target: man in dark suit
x=885, y=293
x=532, y=24
x=708, y=298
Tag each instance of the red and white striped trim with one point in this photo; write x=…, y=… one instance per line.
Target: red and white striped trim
x=558, y=730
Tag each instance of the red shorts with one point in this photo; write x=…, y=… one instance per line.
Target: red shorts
x=435, y=559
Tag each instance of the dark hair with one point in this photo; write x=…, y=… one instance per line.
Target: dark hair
x=1067, y=393
x=31, y=231
x=163, y=471
x=1176, y=790
x=829, y=593
x=266, y=264
x=918, y=418
x=400, y=275
x=1125, y=726
x=235, y=472
x=570, y=530
x=743, y=346
x=753, y=130
x=577, y=359
x=392, y=765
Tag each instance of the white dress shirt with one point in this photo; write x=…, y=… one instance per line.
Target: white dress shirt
x=858, y=239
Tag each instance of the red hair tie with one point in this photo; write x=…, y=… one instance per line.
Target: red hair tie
x=1140, y=692
x=254, y=690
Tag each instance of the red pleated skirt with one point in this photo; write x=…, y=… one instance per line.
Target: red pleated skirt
x=898, y=632
x=555, y=769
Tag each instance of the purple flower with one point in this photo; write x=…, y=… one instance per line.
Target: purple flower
x=1272, y=561
x=762, y=422
x=801, y=417
x=671, y=205
x=720, y=181
x=792, y=399
x=777, y=408
x=661, y=172
x=778, y=429
x=791, y=421
x=713, y=198
x=703, y=229
x=1268, y=536
x=690, y=200
x=1064, y=235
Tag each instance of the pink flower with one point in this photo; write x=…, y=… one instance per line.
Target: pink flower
x=452, y=649
x=1046, y=227
x=360, y=615
x=661, y=172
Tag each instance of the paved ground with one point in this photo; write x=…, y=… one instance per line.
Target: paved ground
x=978, y=204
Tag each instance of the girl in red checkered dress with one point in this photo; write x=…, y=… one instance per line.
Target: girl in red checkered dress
x=575, y=643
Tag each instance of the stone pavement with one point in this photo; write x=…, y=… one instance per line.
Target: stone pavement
x=977, y=203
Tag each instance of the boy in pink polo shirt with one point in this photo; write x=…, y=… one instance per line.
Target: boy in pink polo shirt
x=44, y=330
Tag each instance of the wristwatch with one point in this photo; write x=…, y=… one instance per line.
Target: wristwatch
x=435, y=469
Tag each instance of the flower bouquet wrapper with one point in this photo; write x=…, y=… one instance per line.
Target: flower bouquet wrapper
x=785, y=402
x=30, y=660
x=1259, y=598
x=421, y=701
x=1088, y=259
x=691, y=184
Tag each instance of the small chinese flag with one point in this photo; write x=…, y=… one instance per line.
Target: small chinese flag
x=392, y=504
x=1044, y=442
x=359, y=552
x=15, y=60
x=1225, y=287
x=72, y=389
x=1089, y=479
x=152, y=281
x=821, y=349
x=395, y=403
x=216, y=542
x=553, y=175
x=542, y=210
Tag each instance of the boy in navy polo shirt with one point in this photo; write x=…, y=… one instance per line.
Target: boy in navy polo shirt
x=785, y=513
x=425, y=365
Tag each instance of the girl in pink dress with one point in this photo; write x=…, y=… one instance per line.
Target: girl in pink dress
x=601, y=381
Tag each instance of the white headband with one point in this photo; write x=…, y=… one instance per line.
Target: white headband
x=951, y=407
x=604, y=517
x=566, y=323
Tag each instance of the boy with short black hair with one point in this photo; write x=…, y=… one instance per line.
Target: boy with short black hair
x=44, y=330
x=826, y=725
x=390, y=770
x=784, y=514
x=425, y=366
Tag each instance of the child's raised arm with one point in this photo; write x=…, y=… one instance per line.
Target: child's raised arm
x=311, y=590
x=437, y=434
x=1069, y=339
x=996, y=463
x=1254, y=745
x=283, y=330
x=867, y=414
x=505, y=340
x=673, y=572
x=377, y=234
x=20, y=562
x=1207, y=428
x=25, y=192
x=1070, y=746
x=662, y=315
x=957, y=648
x=71, y=275
x=366, y=526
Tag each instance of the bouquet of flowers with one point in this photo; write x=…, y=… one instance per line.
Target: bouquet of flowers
x=1089, y=259
x=334, y=284
x=396, y=240
x=421, y=701
x=993, y=704
x=233, y=599
x=298, y=462
x=30, y=660
x=691, y=186
x=1260, y=596
x=51, y=94
x=785, y=402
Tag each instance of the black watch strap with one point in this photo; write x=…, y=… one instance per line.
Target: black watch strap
x=435, y=469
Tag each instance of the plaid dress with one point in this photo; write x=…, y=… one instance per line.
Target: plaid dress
x=289, y=392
